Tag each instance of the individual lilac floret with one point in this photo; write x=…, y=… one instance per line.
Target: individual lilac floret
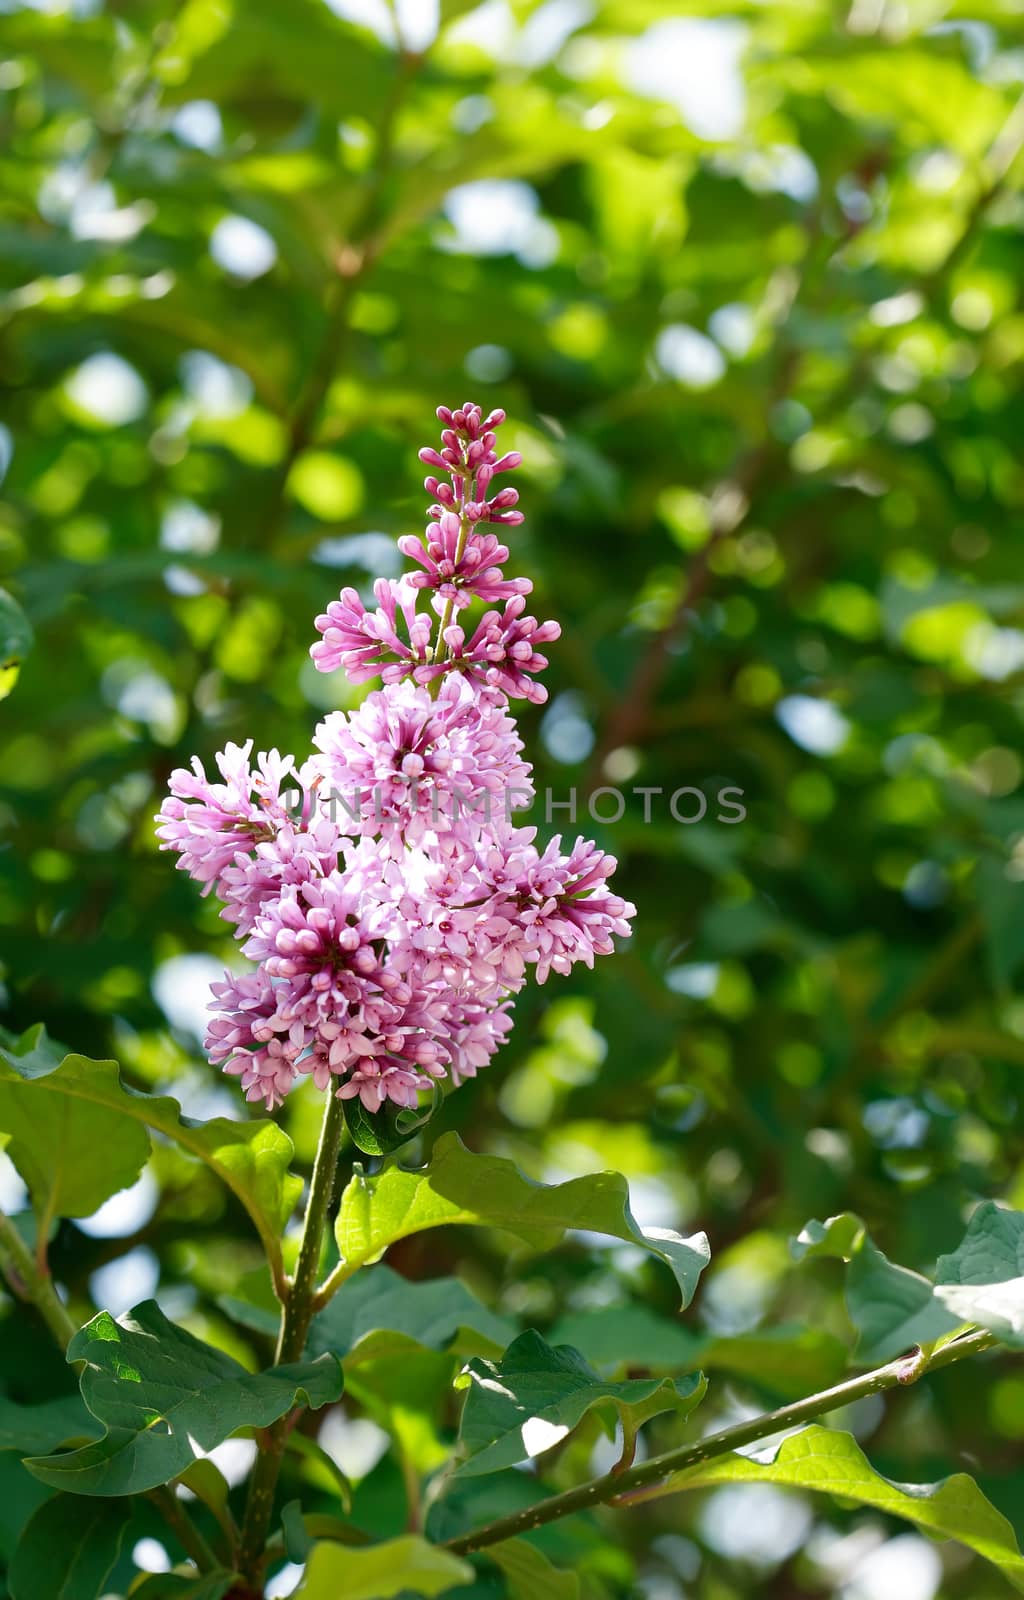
x=368, y=643
x=294, y=855
x=460, y=570
x=208, y=823
x=405, y=764
x=247, y=1038
x=501, y=653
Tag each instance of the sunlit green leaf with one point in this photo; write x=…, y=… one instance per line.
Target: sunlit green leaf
x=458, y=1187
x=251, y=1157
x=382, y=1571
x=828, y=1462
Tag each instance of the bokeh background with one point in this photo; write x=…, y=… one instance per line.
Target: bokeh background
x=747, y=281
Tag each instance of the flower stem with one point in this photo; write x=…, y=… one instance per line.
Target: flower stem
x=296, y=1317
x=441, y=653
x=33, y=1283
x=600, y=1491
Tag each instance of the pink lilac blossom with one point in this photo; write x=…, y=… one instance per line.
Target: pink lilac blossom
x=406, y=763
x=389, y=905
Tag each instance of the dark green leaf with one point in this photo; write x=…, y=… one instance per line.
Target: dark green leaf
x=160, y=1392
x=34, y=1429
x=366, y=1314
x=534, y=1396
x=529, y=1574
x=68, y=1549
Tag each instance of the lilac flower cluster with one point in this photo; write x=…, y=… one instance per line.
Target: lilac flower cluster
x=390, y=937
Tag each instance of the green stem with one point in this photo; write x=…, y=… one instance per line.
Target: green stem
x=601, y=1491
x=177, y=1519
x=33, y=1283
x=296, y=1317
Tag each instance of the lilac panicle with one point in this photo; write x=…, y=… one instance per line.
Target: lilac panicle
x=388, y=903
x=461, y=561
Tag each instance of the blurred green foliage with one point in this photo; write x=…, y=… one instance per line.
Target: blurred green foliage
x=747, y=283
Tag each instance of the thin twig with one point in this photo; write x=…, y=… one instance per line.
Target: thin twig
x=614, y=1486
x=295, y=1319
x=33, y=1283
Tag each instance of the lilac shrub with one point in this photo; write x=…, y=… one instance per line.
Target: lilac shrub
x=389, y=902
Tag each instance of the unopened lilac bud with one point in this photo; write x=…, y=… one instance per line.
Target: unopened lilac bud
x=507, y=462
x=495, y=419
x=444, y=415
x=433, y=459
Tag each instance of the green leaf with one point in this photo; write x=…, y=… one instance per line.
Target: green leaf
x=173, y=1586
x=53, y=1141
x=378, y=1133
x=34, y=1429
x=209, y=1485
x=787, y=1359
x=251, y=1157
x=983, y=1280
x=381, y=1571
x=836, y=1236
x=459, y=1187
x=15, y=641
x=378, y=1311
x=826, y=1461
x=68, y=1549
x=160, y=1393
x=530, y=1575
x=991, y=1251
x=891, y=1307
x=535, y=1395
x=297, y=1543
